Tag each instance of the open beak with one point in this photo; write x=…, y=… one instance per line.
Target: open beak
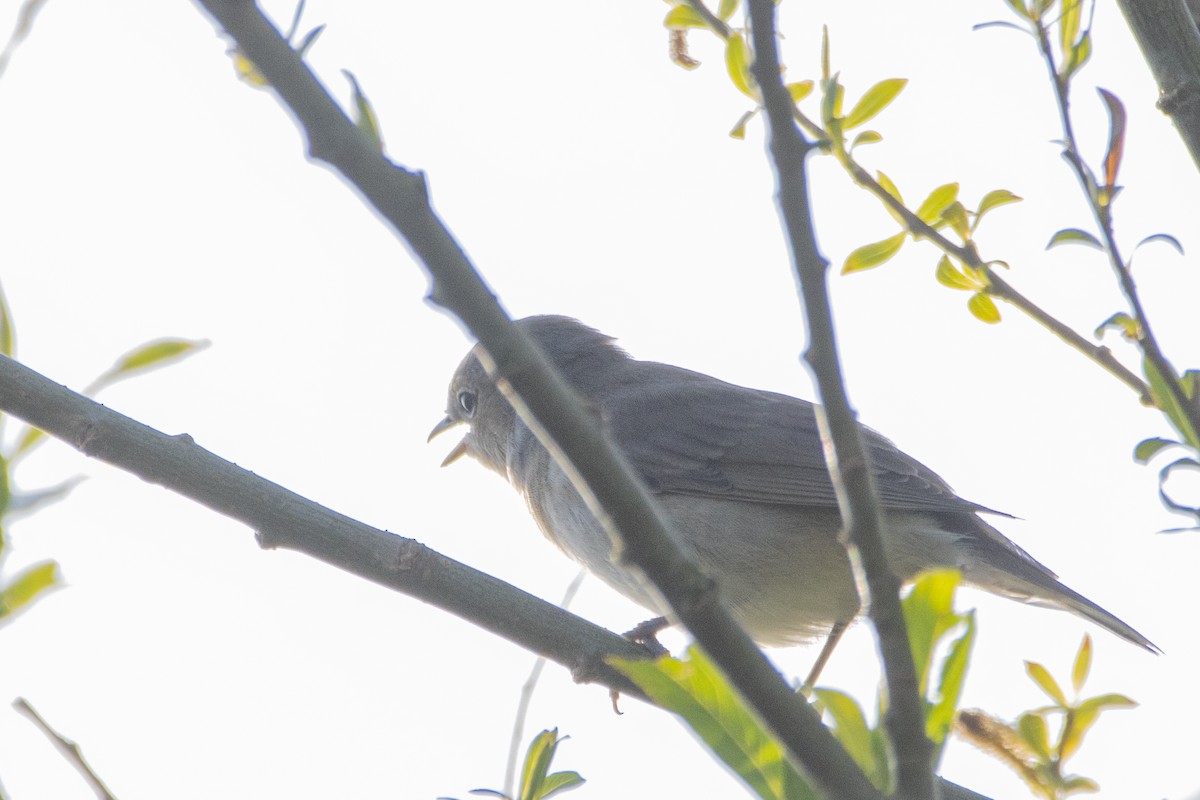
x=459, y=450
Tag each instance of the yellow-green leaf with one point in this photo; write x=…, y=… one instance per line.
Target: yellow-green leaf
x=1148, y=448
x=875, y=100
x=726, y=8
x=1034, y=734
x=865, y=137
x=1121, y=322
x=850, y=727
x=1078, y=784
x=151, y=355
x=1083, y=664
x=955, y=215
x=8, y=334
x=993, y=199
x=739, y=130
x=932, y=206
x=874, y=254
x=697, y=691
x=1074, y=236
x=888, y=186
x=800, y=90
x=1068, y=23
x=1168, y=402
x=684, y=16
x=1045, y=681
x=948, y=275
x=983, y=308
x=27, y=586
x=364, y=117
x=737, y=62
x=246, y=71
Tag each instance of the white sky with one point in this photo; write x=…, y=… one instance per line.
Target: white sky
x=145, y=192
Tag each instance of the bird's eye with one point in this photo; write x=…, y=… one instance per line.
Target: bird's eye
x=466, y=400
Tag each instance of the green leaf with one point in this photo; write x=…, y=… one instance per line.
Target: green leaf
x=726, y=8
x=25, y=442
x=928, y=614
x=537, y=764
x=1045, y=681
x=28, y=502
x=874, y=254
x=1019, y=7
x=1116, y=138
x=850, y=727
x=560, y=782
x=948, y=275
x=993, y=199
x=27, y=586
x=737, y=62
x=955, y=215
x=152, y=355
x=1077, y=784
x=245, y=70
x=865, y=137
x=932, y=206
x=296, y=15
x=1106, y=701
x=364, y=117
x=310, y=39
x=983, y=308
x=1033, y=732
x=1162, y=237
x=877, y=98
x=738, y=131
x=1121, y=322
x=1078, y=56
x=1068, y=25
x=1074, y=236
x=1083, y=664
x=1189, y=380
x=682, y=17
x=888, y=186
x=697, y=691
x=1168, y=403
x=8, y=334
x=831, y=104
x=939, y=720
x=825, y=74
x=1147, y=449
x=800, y=90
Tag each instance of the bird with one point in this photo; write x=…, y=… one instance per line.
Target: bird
x=741, y=475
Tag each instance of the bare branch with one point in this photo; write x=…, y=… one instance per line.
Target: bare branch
x=1166, y=33
x=69, y=749
x=285, y=519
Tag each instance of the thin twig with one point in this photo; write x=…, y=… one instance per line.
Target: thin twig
x=999, y=287
x=285, y=519
x=849, y=468
x=69, y=749
x=1103, y=216
x=535, y=675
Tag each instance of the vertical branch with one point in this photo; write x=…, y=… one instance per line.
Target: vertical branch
x=547, y=404
x=1167, y=35
x=849, y=468
x=1102, y=212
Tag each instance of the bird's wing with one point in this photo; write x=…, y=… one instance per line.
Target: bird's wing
x=688, y=433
